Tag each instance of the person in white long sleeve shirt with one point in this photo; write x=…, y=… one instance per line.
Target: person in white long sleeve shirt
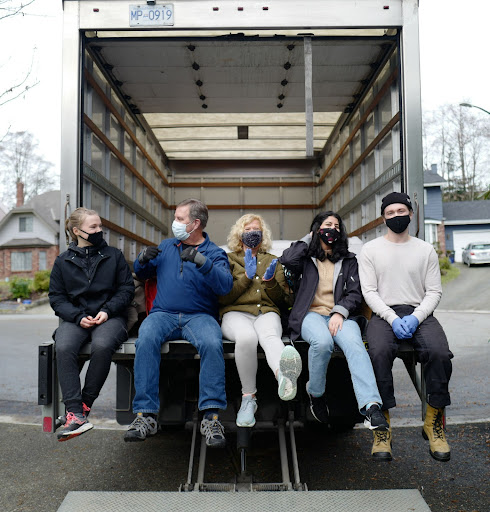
x=401, y=283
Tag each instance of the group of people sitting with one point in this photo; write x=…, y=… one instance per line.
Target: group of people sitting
x=204, y=295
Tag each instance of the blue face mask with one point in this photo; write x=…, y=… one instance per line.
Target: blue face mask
x=179, y=230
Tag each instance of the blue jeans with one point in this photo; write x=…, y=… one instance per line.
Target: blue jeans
x=314, y=330
x=204, y=333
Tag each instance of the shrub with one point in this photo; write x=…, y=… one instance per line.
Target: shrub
x=20, y=288
x=41, y=281
x=444, y=263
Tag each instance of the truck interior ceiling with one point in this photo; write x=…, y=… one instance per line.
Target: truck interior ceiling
x=290, y=123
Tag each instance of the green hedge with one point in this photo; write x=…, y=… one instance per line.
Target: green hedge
x=20, y=287
x=41, y=281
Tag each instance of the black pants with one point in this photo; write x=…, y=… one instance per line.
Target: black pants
x=430, y=343
x=69, y=338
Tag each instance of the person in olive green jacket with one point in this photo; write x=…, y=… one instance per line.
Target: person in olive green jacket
x=251, y=313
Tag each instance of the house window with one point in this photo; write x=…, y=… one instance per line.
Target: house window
x=431, y=233
x=425, y=196
x=26, y=224
x=42, y=260
x=20, y=261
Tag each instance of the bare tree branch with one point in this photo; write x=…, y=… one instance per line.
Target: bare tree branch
x=9, y=8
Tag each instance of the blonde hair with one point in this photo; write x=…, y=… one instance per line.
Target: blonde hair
x=75, y=220
x=234, y=239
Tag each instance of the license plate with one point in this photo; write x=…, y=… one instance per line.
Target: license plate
x=151, y=15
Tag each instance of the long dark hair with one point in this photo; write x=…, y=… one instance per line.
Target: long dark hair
x=340, y=248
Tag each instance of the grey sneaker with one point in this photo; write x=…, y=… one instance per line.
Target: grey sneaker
x=214, y=432
x=289, y=369
x=141, y=428
x=245, y=416
x=75, y=424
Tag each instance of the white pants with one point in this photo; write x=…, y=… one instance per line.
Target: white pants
x=246, y=330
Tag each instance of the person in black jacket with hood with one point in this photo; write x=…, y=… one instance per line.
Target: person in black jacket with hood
x=329, y=292
x=90, y=289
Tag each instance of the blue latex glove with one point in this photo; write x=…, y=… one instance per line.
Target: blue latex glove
x=411, y=323
x=250, y=264
x=400, y=330
x=269, y=273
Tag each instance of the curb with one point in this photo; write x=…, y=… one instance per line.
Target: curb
x=21, y=308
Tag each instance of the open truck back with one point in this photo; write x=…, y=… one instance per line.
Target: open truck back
x=278, y=107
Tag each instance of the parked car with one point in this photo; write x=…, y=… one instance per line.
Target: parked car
x=477, y=252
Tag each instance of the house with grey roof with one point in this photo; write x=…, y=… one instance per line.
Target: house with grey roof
x=29, y=235
x=433, y=221
x=466, y=222
x=455, y=224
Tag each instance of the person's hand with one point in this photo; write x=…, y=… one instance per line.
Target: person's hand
x=411, y=323
x=101, y=317
x=148, y=254
x=87, y=322
x=194, y=256
x=400, y=329
x=269, y=273
x=250, y=264
x=335, y=323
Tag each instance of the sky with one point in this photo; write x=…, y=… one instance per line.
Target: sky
x=453, y=59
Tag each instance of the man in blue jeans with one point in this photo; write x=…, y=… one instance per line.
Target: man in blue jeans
x=191, y=272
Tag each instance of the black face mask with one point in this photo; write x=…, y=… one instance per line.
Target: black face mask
x=399, y=223
x=252, y=238
x=328, y=235
x=94, y=238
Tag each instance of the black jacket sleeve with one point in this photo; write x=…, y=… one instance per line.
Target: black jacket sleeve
x=124, y=294
x=59, y=299
x=293, y=258
x=351, y=294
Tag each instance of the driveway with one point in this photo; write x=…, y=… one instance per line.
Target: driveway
x=470, y=291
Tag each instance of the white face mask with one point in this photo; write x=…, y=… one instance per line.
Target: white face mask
x=179, y=231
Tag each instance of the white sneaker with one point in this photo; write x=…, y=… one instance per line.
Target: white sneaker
x=246, y=414
x=289, y=370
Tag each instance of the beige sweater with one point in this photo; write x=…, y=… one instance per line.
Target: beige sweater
x=393, y=274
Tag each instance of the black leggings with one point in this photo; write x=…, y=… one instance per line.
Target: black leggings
x=430, y=343
x=69, y=338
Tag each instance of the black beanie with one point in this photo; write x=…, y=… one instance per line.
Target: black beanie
x=396, y=197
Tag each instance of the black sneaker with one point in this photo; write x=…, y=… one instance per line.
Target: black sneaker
x=214, y=432
x=375, y=419
x=141, y=428
x=318, y=407
x=75, y=425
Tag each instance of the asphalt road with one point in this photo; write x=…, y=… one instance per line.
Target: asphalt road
x=37, y=471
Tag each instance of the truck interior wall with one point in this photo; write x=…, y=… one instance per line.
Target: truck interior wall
x=124, y=170
x=127, y=177
x=362, y=161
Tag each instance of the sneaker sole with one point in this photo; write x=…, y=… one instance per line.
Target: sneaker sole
x=81, y=430
x=245, y=425
x=315, y=416
x=379, y=428
x=290, y=366
x=218, y=444
x=136, y=439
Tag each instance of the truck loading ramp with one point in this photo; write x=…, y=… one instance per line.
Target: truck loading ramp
x=399, y=500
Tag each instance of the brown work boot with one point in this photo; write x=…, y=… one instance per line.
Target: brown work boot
x=382, y=442
x=433, y=430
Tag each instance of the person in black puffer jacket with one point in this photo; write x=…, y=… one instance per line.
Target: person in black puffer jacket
x=90, y=289
x=329, y=293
